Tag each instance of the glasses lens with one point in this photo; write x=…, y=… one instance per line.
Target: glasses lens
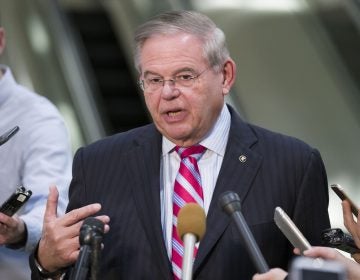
x=180, y=81
x=185, y=81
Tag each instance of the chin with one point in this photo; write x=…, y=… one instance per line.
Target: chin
x=177, y=137
x=175, y=131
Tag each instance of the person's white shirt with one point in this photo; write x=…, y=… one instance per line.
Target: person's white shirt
x=38, y=156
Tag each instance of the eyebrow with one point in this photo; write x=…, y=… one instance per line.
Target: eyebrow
x=184, y=69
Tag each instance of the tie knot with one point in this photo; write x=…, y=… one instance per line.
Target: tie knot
x=195, y=151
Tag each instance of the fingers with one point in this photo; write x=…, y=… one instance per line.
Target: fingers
x=297, y=251
x=51, y=205
x=347, y=215
x=54, y=255
x=105, y=219
x=59, y=244
x=322, y=252
x=69, y=225
x=79, y=214
x=350, y=223
x=356, y=257
x=6, y=221
x=272, y=274
x=12, y=230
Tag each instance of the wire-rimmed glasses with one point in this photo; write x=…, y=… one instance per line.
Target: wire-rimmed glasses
x=153, y=84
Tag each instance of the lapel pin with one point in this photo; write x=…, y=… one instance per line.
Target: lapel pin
x=242, y=158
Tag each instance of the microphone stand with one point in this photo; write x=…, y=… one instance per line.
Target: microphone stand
x=95, y=256
x=250, y=243
x=81, y=269
x=187, y=262
x=91, y=233
x=230, y=203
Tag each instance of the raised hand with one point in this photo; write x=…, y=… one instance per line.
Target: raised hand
x=59, y=245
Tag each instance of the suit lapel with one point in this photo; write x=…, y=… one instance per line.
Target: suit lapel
x=237, y=172
x=144, y=169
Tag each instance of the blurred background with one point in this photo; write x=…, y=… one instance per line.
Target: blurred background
x=298, y=68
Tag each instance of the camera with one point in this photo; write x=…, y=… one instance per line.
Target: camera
x=336, y=238
x=304, y=268
x=8, y=134
x=15, y=201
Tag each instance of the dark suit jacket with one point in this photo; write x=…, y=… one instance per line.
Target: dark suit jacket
x=122, y=173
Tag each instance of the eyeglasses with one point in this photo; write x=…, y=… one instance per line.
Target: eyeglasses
x=179, y=81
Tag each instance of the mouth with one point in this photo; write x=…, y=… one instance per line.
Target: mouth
x=174, y=115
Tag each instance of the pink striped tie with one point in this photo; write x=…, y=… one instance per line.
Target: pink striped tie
x=187, y=189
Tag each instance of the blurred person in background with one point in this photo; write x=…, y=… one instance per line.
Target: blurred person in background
x=38, y=156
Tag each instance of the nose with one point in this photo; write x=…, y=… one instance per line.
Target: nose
x=170, y=82
x=169, y=90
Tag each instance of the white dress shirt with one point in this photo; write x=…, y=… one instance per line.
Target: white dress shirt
x=209, y=167
x=38, y=156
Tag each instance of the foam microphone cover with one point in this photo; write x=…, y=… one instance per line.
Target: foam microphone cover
x=191, y=219
x=91, y=227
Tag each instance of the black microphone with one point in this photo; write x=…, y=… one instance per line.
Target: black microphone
x=8, y=134
x=91, y=233
x=230, y=203
x=96, y=251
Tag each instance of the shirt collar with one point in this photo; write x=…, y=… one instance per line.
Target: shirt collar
x=215, y=140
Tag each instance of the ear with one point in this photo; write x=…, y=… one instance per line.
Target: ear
x=2, y=40
x=229, y=75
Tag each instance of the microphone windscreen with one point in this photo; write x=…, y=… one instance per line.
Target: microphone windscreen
x=91, y=226
x=93, y=223
x=191, y=219
x=230, y=202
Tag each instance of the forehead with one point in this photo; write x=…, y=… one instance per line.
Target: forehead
x=171, y=52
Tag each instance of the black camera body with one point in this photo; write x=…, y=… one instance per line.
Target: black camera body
x=8, y=134
x=15, y=201
x=336, y=238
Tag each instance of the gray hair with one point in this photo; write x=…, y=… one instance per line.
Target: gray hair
x=199, y=25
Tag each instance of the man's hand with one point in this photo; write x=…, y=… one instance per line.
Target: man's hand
x=12, y=229
x=59, y=245
x=272, y=274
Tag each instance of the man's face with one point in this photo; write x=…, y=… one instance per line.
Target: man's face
x=183, y=114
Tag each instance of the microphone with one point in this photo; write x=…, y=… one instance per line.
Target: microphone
x=191, y=226
x=8, y=134
x=91, y=233
x=230, y=203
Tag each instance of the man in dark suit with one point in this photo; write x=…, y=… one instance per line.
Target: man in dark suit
x=185, y=72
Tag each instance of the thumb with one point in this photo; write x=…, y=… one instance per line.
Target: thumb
x=51, y=204
x=356, y=257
